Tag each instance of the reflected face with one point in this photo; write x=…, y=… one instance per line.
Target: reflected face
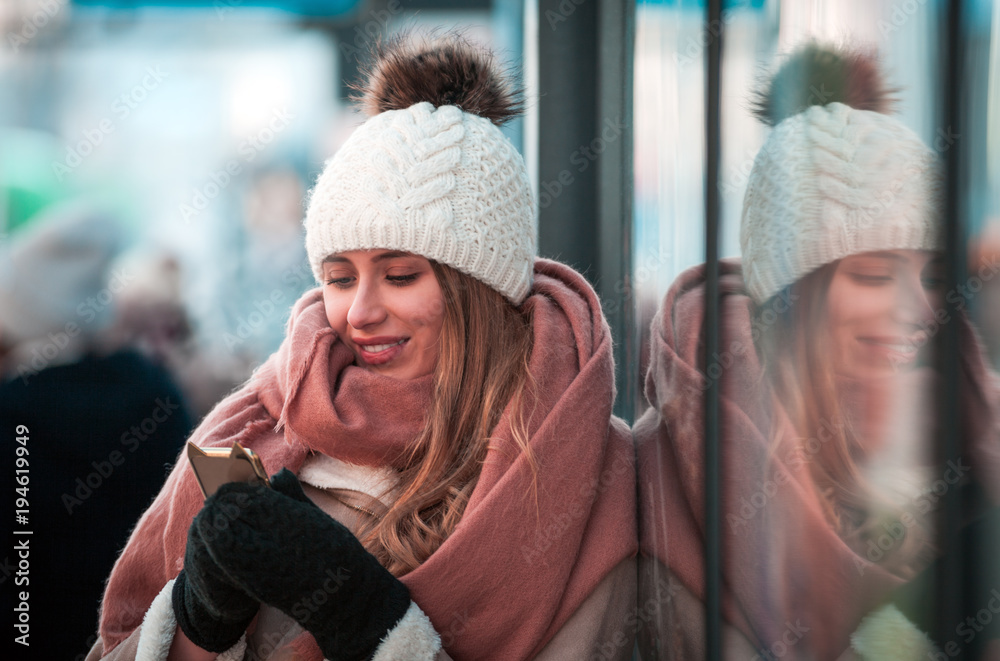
x=880, y=310
x=388, y=309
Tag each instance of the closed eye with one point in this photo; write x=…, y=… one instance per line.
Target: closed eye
x=401, y=280
x=868, y=279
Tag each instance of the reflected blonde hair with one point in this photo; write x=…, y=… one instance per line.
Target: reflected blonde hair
x=485, y=348
x=798, y=367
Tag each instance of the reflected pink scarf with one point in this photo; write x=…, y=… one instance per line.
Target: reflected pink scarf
x=783, y=563
x=510, y=575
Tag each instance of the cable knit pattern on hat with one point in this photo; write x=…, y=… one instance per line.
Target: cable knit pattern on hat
x=833, y=181
x=437, y=182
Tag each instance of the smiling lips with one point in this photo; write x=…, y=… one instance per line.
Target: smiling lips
x=903, y=347
x=378, y=350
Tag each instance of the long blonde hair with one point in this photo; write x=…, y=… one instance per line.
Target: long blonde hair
x=485, y=348
x=798, y=366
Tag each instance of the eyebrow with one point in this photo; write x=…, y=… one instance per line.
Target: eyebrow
x=392, y=254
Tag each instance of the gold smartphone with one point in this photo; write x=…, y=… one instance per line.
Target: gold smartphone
x=214, y=467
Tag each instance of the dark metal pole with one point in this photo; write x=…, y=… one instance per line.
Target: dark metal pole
x=713, y=541
x=616, y=46
x=948, y=581
x=585, y=159
x=569, y=134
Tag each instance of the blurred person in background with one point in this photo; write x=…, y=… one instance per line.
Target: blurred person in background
x=274, y=263
x=103, y=421
x=827, y=393
x=153, y=318
x=449, y=480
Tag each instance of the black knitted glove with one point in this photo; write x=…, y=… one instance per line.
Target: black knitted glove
x=211, y=610
x=285, y=551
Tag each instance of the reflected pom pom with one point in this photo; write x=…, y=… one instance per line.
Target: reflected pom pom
x=817, y=75
x=444, y=71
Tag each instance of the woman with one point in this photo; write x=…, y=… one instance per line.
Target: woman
x=444, y=398
x=829, y=481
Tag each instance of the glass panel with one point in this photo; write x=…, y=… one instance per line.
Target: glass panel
x=833, y=297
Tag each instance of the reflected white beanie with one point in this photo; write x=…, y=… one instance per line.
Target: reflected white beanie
x=836, y=176
x=430, y=172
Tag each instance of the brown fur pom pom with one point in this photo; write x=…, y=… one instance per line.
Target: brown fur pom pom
x=817, y=75
x=445, y=71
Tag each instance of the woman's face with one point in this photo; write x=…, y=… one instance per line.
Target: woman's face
x=881, y=308
x=387, y=307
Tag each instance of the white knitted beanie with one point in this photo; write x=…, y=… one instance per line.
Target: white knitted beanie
x=426, y=176
x=833, y=180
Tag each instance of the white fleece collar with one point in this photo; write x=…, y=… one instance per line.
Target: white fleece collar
x=325, y=472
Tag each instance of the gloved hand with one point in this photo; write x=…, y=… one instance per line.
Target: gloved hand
x=283, y=550
x=210, y=609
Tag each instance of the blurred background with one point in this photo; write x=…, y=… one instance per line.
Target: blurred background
x=198, y=127
x=155, y=158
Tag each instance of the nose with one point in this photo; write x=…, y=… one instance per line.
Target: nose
x=366, y=308
x=917, y=304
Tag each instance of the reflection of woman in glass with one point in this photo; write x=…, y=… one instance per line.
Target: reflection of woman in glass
x=829, y=479
x=455, y=483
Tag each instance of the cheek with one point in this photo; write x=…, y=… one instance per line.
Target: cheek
x=852, y=306
x=336, y=311
x=935, y=298
x=838, y=308
x=428, y=316
x=423, y=309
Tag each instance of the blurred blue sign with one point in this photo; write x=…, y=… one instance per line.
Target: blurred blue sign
x=304, y=7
